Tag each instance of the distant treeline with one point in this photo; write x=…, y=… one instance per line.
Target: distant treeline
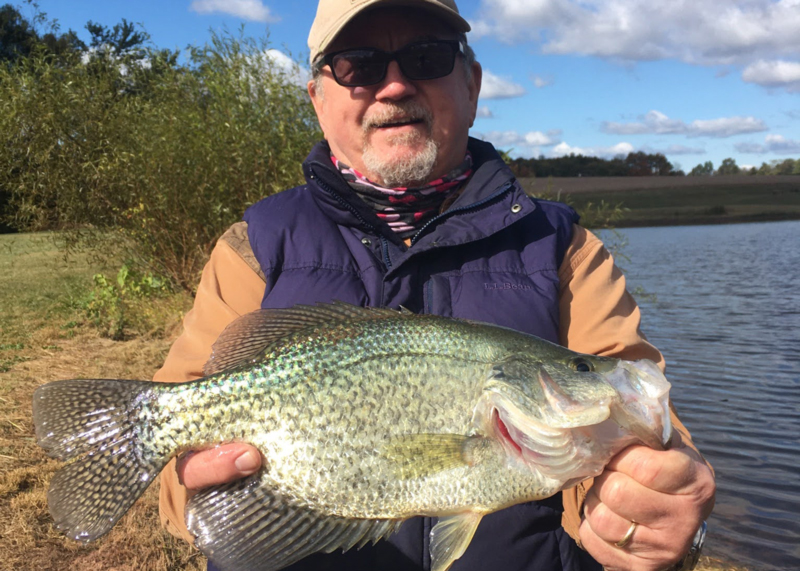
x=635, y=164
x=638, y=164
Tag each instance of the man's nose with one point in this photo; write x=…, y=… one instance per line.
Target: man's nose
x=395, y=85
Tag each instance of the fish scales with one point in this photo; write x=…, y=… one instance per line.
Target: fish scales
x=364, y=418
x=320, y=451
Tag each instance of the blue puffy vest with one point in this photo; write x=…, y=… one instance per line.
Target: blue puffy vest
x=493, y=256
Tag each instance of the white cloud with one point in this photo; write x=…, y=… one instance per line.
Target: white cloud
x=522, y=144
x=296, y=73
x=655, y=122
x=706, y=32
x=777, y=144
x=541, y=82
x=484, y=112
x=776, y=73
x=751, y=148
x=682, y=150
x=675, y=150
x=496, y=87
x=725, y=127
x=253, y=10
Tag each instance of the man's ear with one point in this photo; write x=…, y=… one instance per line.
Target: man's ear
x=316, y=95
x=475, y=89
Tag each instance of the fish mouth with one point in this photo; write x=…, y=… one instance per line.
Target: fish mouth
x=535, y=445
x=643, y=404
x=562, y=434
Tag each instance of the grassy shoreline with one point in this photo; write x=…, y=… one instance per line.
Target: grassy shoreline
x=680, y=201
x=43, y=339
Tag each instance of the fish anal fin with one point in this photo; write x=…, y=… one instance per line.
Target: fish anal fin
x=451, y=537
x=245, y=526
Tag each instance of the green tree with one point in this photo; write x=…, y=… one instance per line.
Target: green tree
x=644, y=164
x=704, y=169
x=19, y=37
x=154, y=172
x=785, y=167
x=728, y=166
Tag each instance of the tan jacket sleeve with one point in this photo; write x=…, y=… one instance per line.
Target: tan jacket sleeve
x=231, y=285
x=599, y=317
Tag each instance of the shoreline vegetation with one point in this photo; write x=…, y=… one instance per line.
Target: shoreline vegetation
x=678, y=201
x=46, y=334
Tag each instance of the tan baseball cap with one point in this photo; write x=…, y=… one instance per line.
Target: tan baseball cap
x=333, y=15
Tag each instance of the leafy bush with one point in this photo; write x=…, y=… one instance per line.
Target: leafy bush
x=146, y=159
x=117, y=306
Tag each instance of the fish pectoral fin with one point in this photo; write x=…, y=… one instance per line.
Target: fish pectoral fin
x=420, y=455
x=244, y=526
x=451, y=537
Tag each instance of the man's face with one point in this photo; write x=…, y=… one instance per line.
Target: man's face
x=399, y=132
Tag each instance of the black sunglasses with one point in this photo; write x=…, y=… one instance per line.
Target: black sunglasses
x=367, y=66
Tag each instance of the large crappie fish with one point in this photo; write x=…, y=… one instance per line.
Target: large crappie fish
x=364, y=418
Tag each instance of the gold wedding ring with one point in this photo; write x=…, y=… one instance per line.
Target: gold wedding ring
x=628, y=535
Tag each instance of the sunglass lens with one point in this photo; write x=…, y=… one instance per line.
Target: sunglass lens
x=427, y=60
x=358, y=67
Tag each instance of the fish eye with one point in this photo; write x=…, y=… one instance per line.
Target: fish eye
x=582, y=365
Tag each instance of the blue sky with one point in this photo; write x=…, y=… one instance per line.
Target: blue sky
x=699, y=80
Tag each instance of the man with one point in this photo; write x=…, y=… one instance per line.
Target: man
x=402, y=208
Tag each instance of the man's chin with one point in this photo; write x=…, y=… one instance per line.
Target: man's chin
x=401, y=166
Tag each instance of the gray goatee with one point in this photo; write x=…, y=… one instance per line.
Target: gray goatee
x=407, y=170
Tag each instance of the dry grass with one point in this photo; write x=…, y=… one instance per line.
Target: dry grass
x=41, y=340
x=28, y=540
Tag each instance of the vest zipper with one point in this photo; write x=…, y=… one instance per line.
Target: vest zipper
x=385, y=247
x=384, y=242
x=344, y=203
x=503, y=189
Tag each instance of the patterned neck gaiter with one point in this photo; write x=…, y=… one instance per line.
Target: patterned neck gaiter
x=406, y=210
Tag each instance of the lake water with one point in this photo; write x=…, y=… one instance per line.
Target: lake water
x=726, y=315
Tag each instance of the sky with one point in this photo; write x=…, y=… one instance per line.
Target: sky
x=696, y=80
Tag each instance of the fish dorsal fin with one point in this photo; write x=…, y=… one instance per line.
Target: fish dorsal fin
x=244, y=526
x=244, y=340
x=451, y=537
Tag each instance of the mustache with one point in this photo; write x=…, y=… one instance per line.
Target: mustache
x=405, y=111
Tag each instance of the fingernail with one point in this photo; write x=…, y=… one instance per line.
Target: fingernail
x=247, y=463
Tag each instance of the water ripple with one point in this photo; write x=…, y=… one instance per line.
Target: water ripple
x=727, y=317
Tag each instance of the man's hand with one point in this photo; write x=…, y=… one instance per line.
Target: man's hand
x=220, y=465
x=667, y=493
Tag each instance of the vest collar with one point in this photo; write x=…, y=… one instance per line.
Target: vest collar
x=491, y=201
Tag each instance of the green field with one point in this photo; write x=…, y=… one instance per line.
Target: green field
x=666, y=201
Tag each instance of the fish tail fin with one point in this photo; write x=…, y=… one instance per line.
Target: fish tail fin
x=93, y=424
